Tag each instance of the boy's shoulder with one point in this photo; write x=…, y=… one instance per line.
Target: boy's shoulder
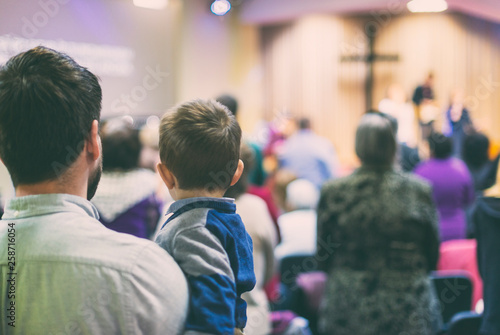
x=178, y=223
x=197, y=213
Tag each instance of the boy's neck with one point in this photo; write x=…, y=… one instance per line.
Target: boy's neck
x=180, y=194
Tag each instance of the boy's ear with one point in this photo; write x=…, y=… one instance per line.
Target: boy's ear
x=167, y=176
x=237, y=174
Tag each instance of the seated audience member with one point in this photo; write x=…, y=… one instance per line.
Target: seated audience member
x=298, y=226
x=199, y=152
x=377, y=242
x=308, y=155
x=486, y=217
x=475, y=153
x=451, y=184
x=126, y=199
x=70, y=275
x=476, y=157
x=259, y=225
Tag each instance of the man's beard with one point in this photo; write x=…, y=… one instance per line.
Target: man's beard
x=94, y=179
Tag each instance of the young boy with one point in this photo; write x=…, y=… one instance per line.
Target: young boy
x=199, y=152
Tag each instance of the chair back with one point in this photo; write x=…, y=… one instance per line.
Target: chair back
x=293, y=265
x=465, y=323
x=454, y=292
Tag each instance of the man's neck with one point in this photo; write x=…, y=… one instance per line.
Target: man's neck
x=50, y=187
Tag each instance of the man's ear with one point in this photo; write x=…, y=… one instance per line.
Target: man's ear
x=237, y=174
x=167, y=176
x=93, y=143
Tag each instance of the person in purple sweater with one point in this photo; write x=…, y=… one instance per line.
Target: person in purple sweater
x=126, y=198
x=452, y=185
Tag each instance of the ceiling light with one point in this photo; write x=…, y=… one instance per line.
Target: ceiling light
x=421, y=6
x=220, y=7
x=151, y=4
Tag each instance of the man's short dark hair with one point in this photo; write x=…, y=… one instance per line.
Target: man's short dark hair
x=304, y=123
x=229, y=101
x=200, y=144
x=121, y=146
x=476, y=149
x=47, y=105
x=441, y=146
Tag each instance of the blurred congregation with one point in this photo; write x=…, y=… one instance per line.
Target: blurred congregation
x=370, y=140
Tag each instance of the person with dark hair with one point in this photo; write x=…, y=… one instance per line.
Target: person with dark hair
x=452, y=186
x=377, y=243
x=308, y=155
x=121, y=146
x=476, y=156
x=424, y=93
x=304, y=123
x=200, y=160
x=75, y=276
x=475, y=153
x=229, y=101
x=259, y=225
x=126, y=199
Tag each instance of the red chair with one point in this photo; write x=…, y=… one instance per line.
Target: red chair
x=461, y=255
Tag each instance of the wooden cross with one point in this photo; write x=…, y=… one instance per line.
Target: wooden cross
x=370, y=59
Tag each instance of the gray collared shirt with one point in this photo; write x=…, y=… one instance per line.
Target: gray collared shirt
x=71, y=275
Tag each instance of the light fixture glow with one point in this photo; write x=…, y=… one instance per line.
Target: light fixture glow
x=220, y=7
x=421, y=6
x=151, y=4
x=153, y=122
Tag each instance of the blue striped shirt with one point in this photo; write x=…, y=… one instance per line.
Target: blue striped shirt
x=209, y=242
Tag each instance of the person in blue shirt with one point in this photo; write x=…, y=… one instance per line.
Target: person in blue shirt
x=308, y=155
x=199, y=152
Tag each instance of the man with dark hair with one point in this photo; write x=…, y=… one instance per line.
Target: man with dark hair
x=65, y=272
x=229, y=101
x=308, y=155
x=304, y=123
x=199, y=152
x=440, y=146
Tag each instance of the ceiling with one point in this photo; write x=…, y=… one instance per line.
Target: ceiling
x=272, y=11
